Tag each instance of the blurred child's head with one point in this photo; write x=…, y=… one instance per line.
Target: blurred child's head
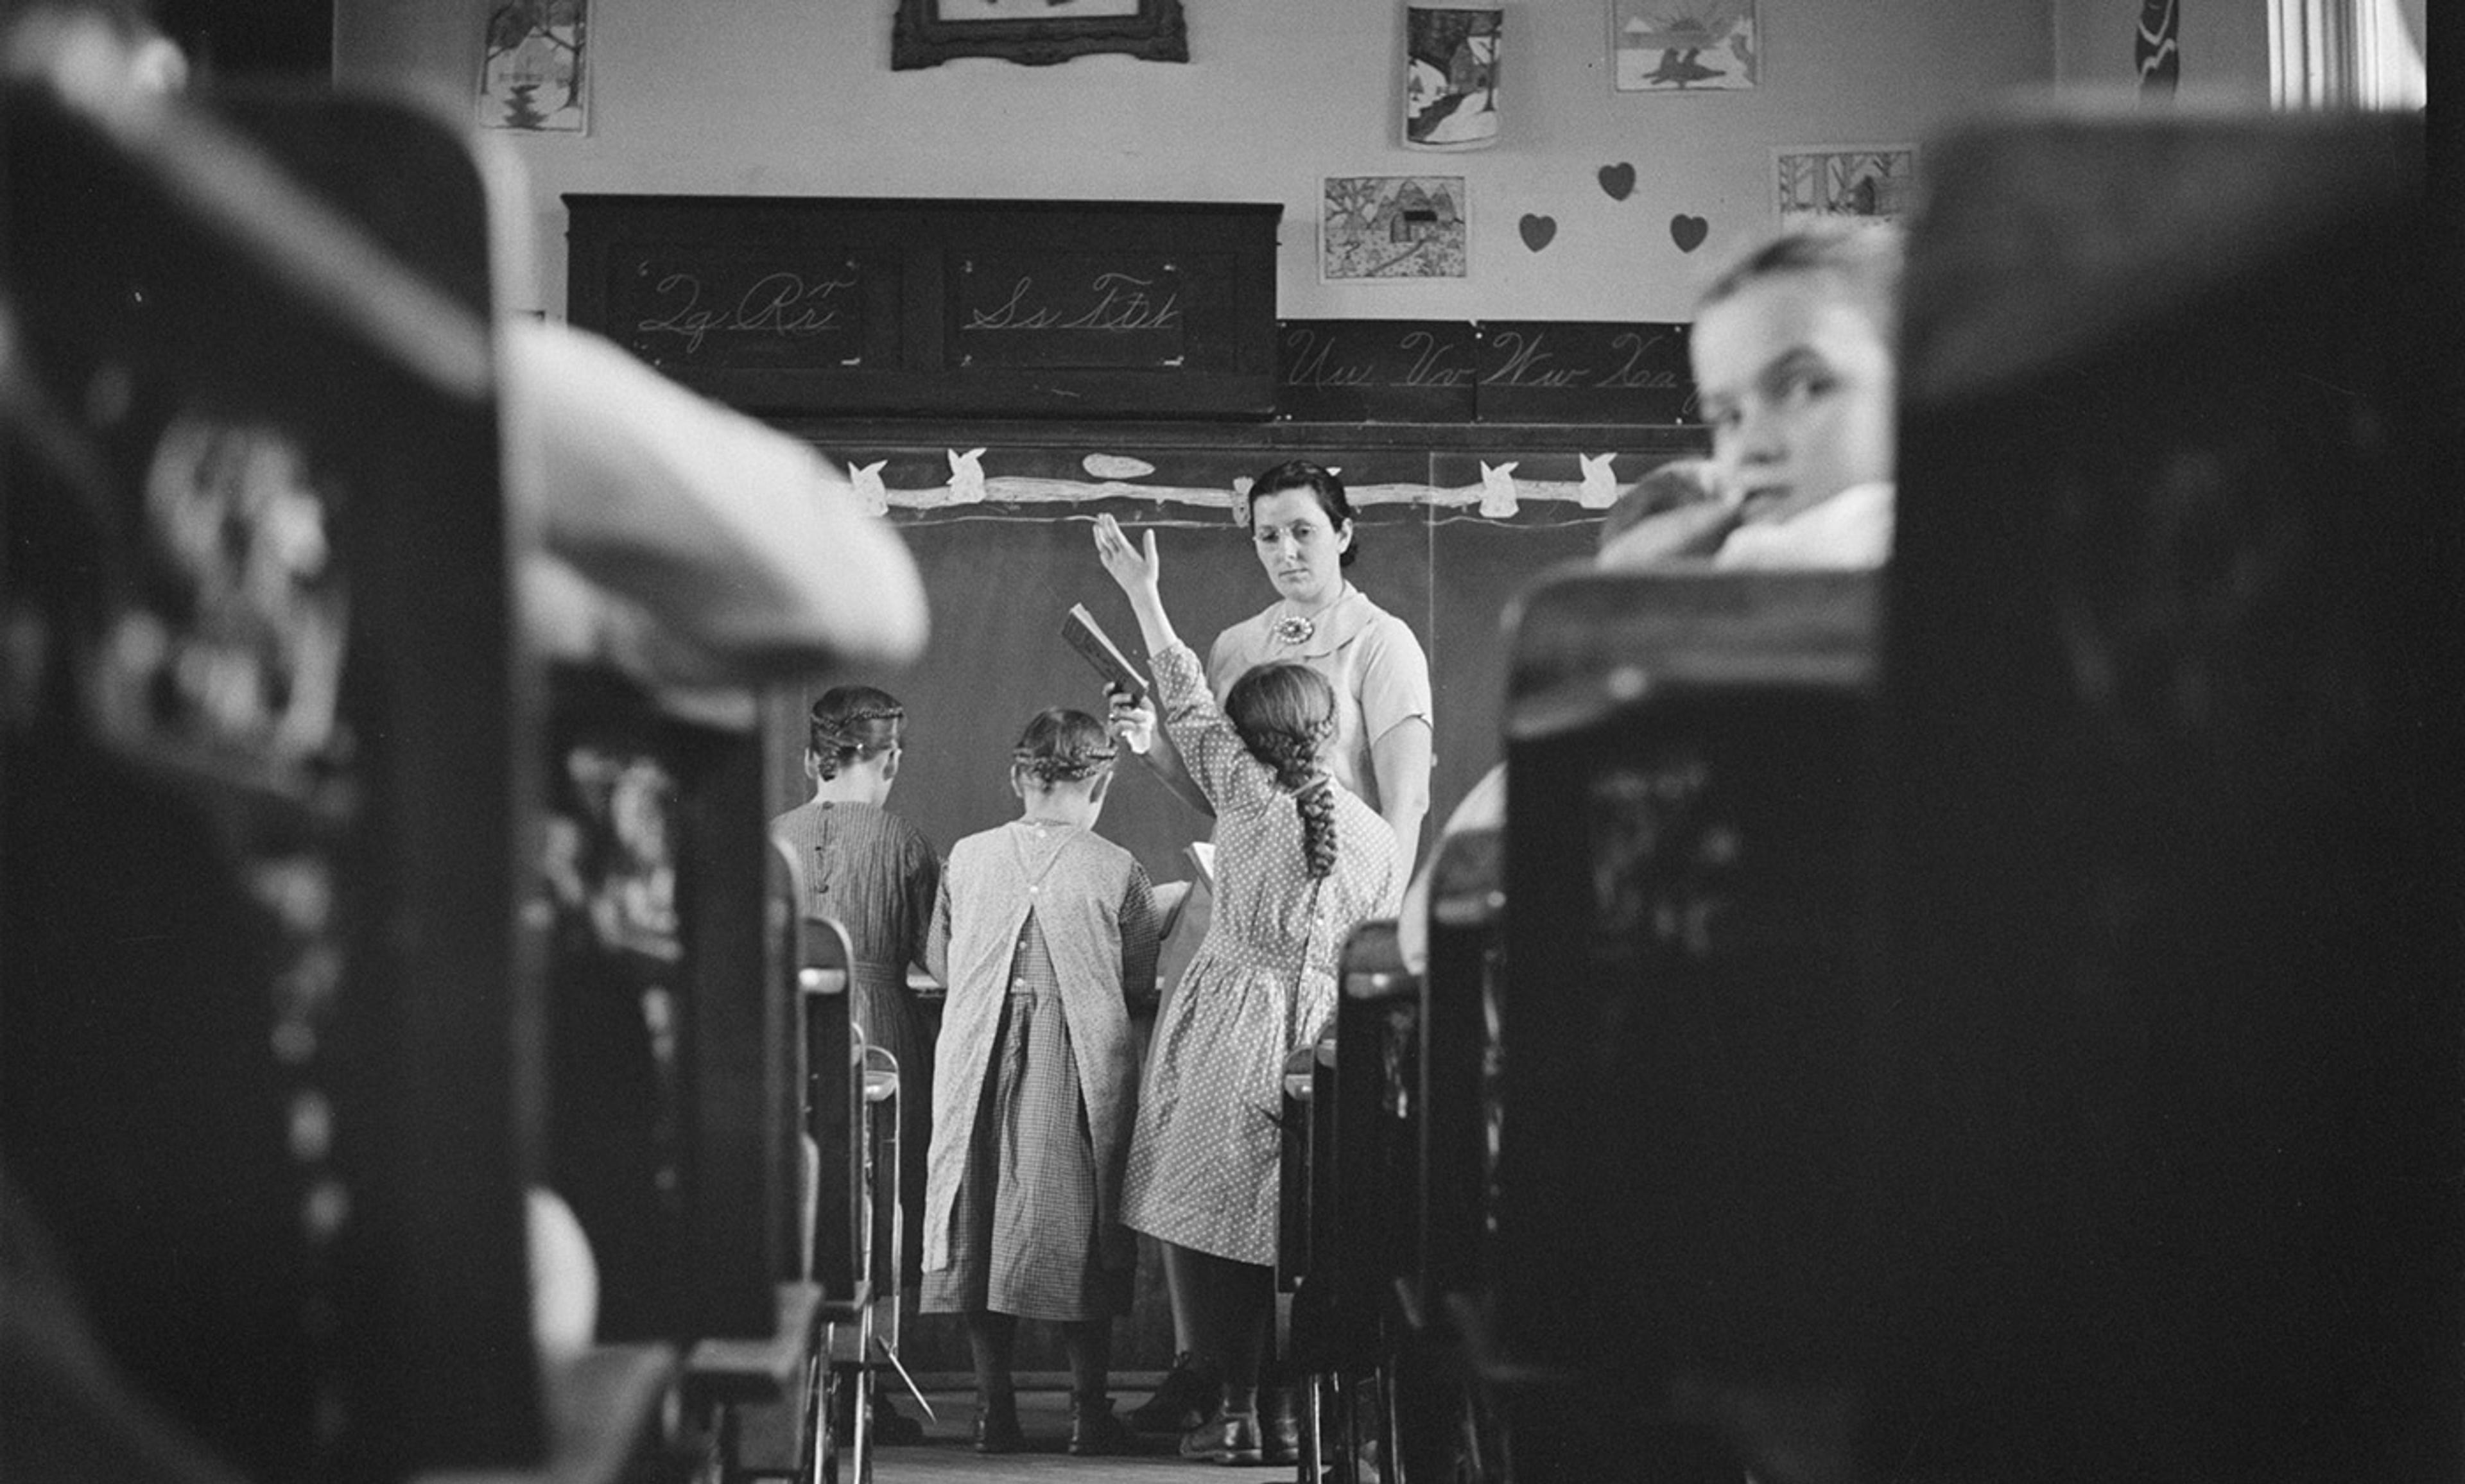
x=855, y=726
x=1794, y=349
x=1063, y=752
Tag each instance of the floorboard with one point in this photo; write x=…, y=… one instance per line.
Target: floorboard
x=948, y=1456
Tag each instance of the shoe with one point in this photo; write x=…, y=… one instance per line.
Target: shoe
x=1183, y=1400
x=1227, y=1437
x=893, y=1427
x=1095, y=1430
x=997, y=1431
x=1279, y=1428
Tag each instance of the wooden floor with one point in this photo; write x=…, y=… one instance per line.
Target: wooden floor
x=946, y=1455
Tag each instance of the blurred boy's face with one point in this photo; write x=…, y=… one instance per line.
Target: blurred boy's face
x=1798, y=384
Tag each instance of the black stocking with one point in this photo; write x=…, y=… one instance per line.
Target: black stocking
x=991, y=1340
x=1088, y=1344
x=1235, y=1307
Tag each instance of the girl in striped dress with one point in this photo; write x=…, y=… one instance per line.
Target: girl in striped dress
x=1044, y=932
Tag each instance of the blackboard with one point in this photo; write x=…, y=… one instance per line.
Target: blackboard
x=1000, y=579
x=1359, y=371
x=982, y=308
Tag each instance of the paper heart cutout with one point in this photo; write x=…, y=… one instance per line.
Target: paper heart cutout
x=1618, y=180
x=1536, y=230
x=1688, y=231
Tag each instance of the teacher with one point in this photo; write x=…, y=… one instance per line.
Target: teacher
x=1302, y=530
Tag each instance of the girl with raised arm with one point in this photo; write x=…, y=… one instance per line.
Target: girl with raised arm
x=1300, y=861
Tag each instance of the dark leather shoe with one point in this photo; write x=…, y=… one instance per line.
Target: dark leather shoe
x=997, y=1432
x=1182, y=1402
x=1227, y=1437
x=1095, y=1430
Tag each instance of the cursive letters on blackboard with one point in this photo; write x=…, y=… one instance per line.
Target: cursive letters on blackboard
x=1632, y=375
x=1426, y=369
x=1314, y=362
x=778, y=304
x=1122, y=303
x=1524, y=364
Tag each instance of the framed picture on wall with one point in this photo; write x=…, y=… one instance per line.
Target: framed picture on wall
x=1036, y=33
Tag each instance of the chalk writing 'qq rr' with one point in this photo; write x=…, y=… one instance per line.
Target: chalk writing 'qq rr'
x=779, y=304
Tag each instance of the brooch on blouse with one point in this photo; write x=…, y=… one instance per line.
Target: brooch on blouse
x=1293, y=629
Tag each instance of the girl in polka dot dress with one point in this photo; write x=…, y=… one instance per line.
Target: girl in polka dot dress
x=1300, y=863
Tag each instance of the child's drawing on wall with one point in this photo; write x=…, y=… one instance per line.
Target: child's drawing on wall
x=1876, y=182
x=1450, y=56
x=531, y=72
x=1392, y=227
x=1683, y=46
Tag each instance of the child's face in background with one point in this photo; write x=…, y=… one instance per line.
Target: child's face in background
x=1798, y=386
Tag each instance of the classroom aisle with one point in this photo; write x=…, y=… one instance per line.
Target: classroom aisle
x=946, y=1456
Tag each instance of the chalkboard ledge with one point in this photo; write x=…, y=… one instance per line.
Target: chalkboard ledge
x=1297, y=439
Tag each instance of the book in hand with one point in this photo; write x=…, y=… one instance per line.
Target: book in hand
x=1089, y=639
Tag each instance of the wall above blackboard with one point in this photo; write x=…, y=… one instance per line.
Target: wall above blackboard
x=838, y=306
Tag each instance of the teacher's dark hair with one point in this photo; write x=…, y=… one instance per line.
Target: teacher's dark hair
x=852, y=722
x=1299, y=474
x=1286, y=714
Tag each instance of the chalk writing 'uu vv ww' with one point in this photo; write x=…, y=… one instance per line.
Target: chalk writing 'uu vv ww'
x=1314, y=361
x=1523, y=366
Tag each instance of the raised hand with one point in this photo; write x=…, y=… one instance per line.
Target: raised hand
x=1136, y=572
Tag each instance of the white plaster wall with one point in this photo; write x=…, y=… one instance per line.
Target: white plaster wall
x=797, y=97
x=2224, y=50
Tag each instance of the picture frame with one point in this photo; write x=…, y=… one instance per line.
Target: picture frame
x=1036, y=33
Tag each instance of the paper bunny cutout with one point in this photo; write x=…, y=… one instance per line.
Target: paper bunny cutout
x=966, y=476
x=870, y=497
x=1600, y=489
x=1497, y=489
